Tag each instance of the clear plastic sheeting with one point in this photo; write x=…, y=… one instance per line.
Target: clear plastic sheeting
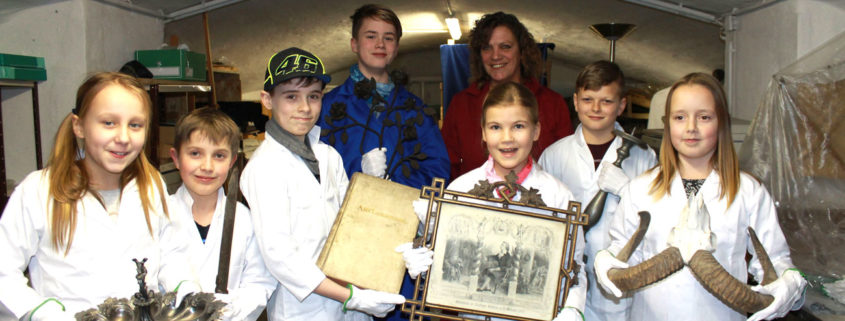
x=796, y=147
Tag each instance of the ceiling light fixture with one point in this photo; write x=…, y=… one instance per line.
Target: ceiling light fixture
x=613, y=32
x=454, y=27
x=452, y=23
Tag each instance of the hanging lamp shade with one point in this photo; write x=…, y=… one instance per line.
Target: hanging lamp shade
x=613, y=32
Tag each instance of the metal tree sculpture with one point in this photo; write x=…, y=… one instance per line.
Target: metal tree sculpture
x=394, y=119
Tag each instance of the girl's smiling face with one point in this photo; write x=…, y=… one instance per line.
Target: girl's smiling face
x=693, y=125
x=509, y=134
x=114, y=132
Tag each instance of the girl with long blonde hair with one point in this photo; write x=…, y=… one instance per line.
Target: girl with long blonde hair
x=77, y=224
x=698, y=173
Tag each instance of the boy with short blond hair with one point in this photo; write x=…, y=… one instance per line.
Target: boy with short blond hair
x=583, y=161
x=205, y=149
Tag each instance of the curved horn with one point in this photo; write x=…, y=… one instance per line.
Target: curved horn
x=769, y=274
x=625, y=253
x=654, y=269
x=724, y=286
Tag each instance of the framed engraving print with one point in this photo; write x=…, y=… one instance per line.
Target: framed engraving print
x=496, y=257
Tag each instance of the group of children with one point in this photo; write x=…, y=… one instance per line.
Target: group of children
x=77, y=224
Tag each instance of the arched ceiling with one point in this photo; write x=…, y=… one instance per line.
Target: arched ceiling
x=662, y=48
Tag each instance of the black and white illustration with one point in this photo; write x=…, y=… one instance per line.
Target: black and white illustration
x=490, y=261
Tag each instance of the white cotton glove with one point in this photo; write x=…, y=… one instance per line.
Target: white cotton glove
x=603, y=263
x=421, y=208
x=231, y=310
x=51, y=311
x=611, y=178
x=417, y=260
x=374, y=162
x=185, y=288
x=569, y=314
x=372, y=302
x=787, y=290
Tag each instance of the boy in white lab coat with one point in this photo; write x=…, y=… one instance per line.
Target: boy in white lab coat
x=583, y=161
x=295, y=185
x=205, y=149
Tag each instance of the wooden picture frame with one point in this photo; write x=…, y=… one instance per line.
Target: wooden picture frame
x=495, y=258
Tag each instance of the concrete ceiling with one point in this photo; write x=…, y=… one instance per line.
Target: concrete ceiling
x=663, y=47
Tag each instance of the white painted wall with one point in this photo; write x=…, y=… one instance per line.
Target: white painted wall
x=113, y=34
x=774, y=37
x=76, y=38
x=818, y=22
x=61, y=43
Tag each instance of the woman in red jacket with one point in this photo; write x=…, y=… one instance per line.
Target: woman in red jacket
x=501, y=49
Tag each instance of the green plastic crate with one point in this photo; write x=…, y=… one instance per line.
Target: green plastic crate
x=173, y=64
x=16, y=73
x=10, y=60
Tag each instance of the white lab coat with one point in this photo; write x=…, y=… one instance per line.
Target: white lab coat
x=569, y=160
x=99, y=264
x=250, y=284
x=680, y=296
x=555, y=194
x=292, y=214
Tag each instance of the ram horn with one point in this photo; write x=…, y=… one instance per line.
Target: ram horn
x=769, y=274
x=728, y=289
x=637, y=238
x=654, y=269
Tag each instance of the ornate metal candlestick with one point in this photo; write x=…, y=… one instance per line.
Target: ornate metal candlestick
x=596, y=206
x=147, y=305
x=142, y=300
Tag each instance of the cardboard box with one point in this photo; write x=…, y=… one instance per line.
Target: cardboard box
x=10, y=60
x=166, y=138
x=174, y=107
x=228, y=86
x=19, y=73
x=173, y=64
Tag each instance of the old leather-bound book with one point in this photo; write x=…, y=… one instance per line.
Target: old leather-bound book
x=376, y=216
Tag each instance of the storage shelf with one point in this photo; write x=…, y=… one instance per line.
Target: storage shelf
x=175, y=86
x=33, y=85
x=157, y=87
